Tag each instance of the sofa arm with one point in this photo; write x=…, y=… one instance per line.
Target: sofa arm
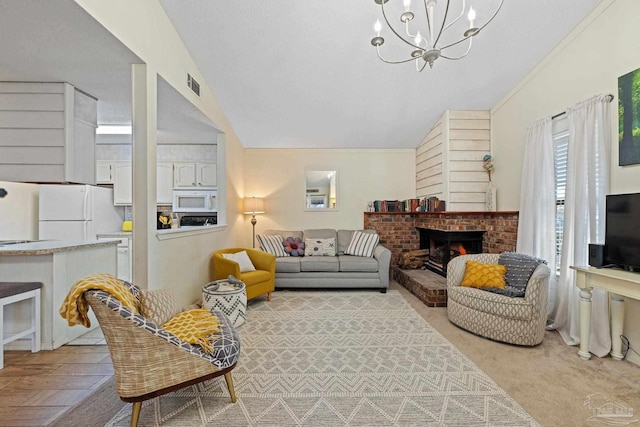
x=538, y=285
x=262, y=260
x=383, y=255
x=223, y=267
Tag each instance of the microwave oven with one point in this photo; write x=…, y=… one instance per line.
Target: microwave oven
x=200, y=200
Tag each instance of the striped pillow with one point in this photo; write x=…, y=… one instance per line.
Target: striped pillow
x=362, y=244
x=272, y=243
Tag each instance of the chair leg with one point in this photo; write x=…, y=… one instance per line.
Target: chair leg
x=135, y=413
x=232, y=392
x=269, y=296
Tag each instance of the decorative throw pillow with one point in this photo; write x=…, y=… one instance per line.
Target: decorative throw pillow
x=362, y=244
x=271, y=243
x=320, y=247
x=520, y=267
x=479, y=275
x=158, y=305
x=243, y=259
x=294, y=246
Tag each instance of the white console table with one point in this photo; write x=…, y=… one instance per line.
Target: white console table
x=619, y=284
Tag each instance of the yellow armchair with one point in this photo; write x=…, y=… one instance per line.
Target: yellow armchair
x=258, y=282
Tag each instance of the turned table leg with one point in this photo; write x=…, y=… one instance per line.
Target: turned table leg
x=585, y=323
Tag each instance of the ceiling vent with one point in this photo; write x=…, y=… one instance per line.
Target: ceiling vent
x=193, y=84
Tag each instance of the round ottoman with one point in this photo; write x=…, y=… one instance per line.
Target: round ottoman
x=227, y=295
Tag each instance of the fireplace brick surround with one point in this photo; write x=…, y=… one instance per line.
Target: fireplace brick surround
x=398, y=232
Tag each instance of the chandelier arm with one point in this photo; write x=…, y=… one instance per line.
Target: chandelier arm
x=459, y=16
x=391, y=62
x=479, y=29
x=444, y=20
x=426, y=11
x=422, y=68
x=461, y=56
x=394, y=30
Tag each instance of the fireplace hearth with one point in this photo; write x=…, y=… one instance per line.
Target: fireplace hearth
x=444, y=245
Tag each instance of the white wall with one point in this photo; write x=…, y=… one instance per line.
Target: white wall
x=19, y=211
x=362, y=176
x=180, y=264
x=589, y=62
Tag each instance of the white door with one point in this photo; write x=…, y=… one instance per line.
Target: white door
x=64, y=230
x=207, y=175
x=64, y=203
x=164, y=182
x=123, y=262
x=184, y=175
x=123, y=180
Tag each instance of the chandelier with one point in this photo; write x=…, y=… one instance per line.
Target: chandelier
x=426, y=49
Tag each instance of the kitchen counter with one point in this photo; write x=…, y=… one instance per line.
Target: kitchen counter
x=116, y=235
x=45, y=247
x=57, y=264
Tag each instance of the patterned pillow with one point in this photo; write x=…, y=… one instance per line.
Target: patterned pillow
x=241, y=258
x=320, y=247
x=272, y=243
x=479, y=275
x=362, y=244
x=520, y=267
x=158, y=305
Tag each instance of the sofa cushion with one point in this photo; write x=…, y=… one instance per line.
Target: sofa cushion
x=520, y=267
x=344, y=238
x=479, y=275
x=319, y=263
x=158, y=305
x=498, y=305
x=241, y=258
x=320, y=233
x=255, y=277
x=362, y=244
x=357, y=263
x=288, y=265
x=285, y=233
x=272, y=243
x=320, y=247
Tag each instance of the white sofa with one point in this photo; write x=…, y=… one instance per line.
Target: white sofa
x=340, y=271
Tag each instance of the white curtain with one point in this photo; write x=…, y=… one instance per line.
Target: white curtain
x=584, y=214
x=536, y=224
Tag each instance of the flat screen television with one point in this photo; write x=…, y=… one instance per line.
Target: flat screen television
x=622, y=234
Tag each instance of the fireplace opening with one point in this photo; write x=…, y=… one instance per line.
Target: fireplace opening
x=444, y=245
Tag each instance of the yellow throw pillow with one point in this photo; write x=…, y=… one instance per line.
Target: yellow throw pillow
x=478, y=275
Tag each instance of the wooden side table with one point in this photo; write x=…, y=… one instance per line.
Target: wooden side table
x=11, y=292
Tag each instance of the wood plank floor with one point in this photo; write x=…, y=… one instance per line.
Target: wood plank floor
x=36, y=388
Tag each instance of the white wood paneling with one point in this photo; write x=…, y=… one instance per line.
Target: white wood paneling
x=449, y=160
x=32, y=137
x=35, y=155
x=31, y=102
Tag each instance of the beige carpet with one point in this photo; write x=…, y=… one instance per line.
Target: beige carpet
x=549, y=381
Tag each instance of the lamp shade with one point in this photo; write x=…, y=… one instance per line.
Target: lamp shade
x=253, y=205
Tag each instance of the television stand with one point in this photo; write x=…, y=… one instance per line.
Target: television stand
x=619, y=283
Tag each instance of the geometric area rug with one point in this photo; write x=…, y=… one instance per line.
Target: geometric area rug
x=340, y=358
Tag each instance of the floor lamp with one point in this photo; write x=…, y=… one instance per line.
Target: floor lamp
x=253, y=206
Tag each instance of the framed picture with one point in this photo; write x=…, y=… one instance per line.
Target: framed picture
x=629, y=118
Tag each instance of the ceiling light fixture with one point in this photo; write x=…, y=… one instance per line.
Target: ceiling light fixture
x=431, y=47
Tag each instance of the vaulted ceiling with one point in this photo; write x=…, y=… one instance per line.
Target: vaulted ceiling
x=304, y=73
x=299, y=74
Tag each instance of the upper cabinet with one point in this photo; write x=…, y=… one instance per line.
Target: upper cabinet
x=47, y=133
x=190, y=175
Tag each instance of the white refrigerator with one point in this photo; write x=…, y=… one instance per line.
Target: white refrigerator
x=77, y=212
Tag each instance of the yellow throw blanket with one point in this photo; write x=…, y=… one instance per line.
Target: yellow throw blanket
x=194, y=327
x=75, y=307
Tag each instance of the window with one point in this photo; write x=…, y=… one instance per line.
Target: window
x=561, y=148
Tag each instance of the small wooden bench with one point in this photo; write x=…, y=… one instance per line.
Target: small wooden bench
x=11, y=292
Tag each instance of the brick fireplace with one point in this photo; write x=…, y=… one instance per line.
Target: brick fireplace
x=398, y=232
x=444, y=245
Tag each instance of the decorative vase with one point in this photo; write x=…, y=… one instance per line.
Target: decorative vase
x=490, y=198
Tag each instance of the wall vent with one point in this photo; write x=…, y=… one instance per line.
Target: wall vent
x=193, y=84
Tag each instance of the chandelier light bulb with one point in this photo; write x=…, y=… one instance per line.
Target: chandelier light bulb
x=418, y=39
x=377, y=27
x=471, y=16
x=407, y=5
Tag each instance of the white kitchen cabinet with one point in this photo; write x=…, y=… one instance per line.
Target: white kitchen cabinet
x=47, y=133
x=105, y=171
x=164, y=183
x=190, y=175
x=122, y=184
x=124, y=261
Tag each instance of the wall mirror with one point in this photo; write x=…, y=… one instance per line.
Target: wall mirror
x=320, y=190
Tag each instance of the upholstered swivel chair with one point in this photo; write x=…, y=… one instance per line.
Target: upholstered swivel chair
x=148, y=361
x=258, y=282
x=503, y=318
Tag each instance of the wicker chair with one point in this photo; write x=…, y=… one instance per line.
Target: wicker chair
x=512, y=320
x=259, y=282
x=150, y=362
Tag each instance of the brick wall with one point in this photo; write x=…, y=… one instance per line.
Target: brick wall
x=398, y=232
